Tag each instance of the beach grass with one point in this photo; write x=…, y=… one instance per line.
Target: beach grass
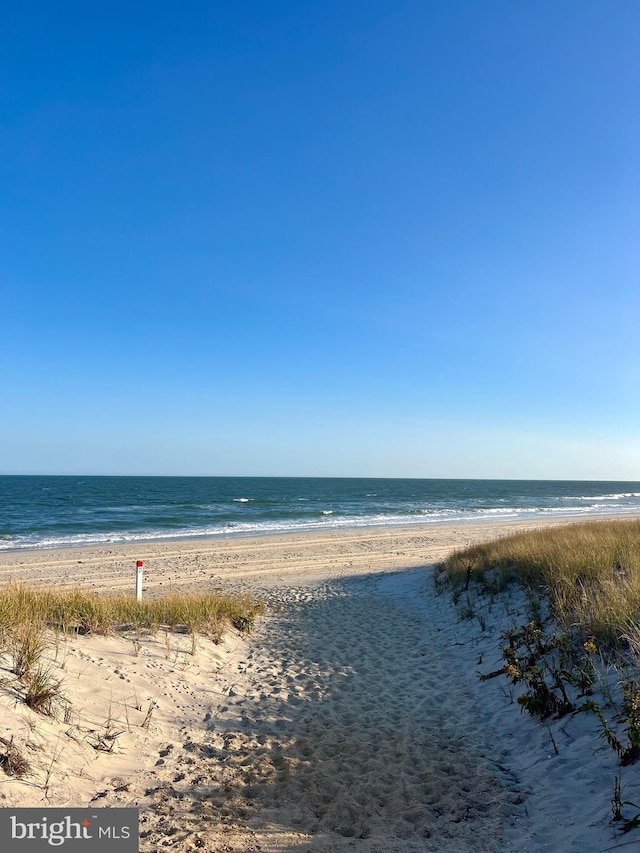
x=578, y=647
x=589, y=572
x=26, y=611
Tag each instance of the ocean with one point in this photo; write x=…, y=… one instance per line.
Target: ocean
x=54, y=512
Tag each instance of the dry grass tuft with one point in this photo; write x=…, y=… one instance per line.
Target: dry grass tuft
x=25, y=643
x=11, y=759
x=44, y=692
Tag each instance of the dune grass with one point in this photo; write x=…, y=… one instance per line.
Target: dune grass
x=589, y=572
x=23, y=608
x=579, y=648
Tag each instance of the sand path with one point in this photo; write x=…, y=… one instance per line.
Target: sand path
x=345, y=730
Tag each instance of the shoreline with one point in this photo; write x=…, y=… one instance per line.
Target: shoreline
x=264, y=561
x=311, y=528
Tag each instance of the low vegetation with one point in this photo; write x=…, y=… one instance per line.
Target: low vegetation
x=589, y=573
x=581, y=583
x=26, y=611
x=11, y=759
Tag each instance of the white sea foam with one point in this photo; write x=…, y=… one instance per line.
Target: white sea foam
x=608, y=497
x=242, y=500
x=328, y=520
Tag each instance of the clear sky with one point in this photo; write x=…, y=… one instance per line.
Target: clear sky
x=379, y=238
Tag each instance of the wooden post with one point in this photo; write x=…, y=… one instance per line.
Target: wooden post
x=139, y=565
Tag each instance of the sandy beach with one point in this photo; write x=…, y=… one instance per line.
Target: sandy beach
x=253, y=563
x=351, y=719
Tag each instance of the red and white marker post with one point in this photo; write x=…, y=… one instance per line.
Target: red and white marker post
x=139, y=565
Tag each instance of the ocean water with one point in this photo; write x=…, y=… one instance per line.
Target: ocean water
x=51, y=512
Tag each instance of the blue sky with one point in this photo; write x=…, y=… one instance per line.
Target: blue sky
x=321, y=238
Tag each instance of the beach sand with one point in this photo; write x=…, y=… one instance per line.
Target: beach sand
x=252, y=563
x=351, y=719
